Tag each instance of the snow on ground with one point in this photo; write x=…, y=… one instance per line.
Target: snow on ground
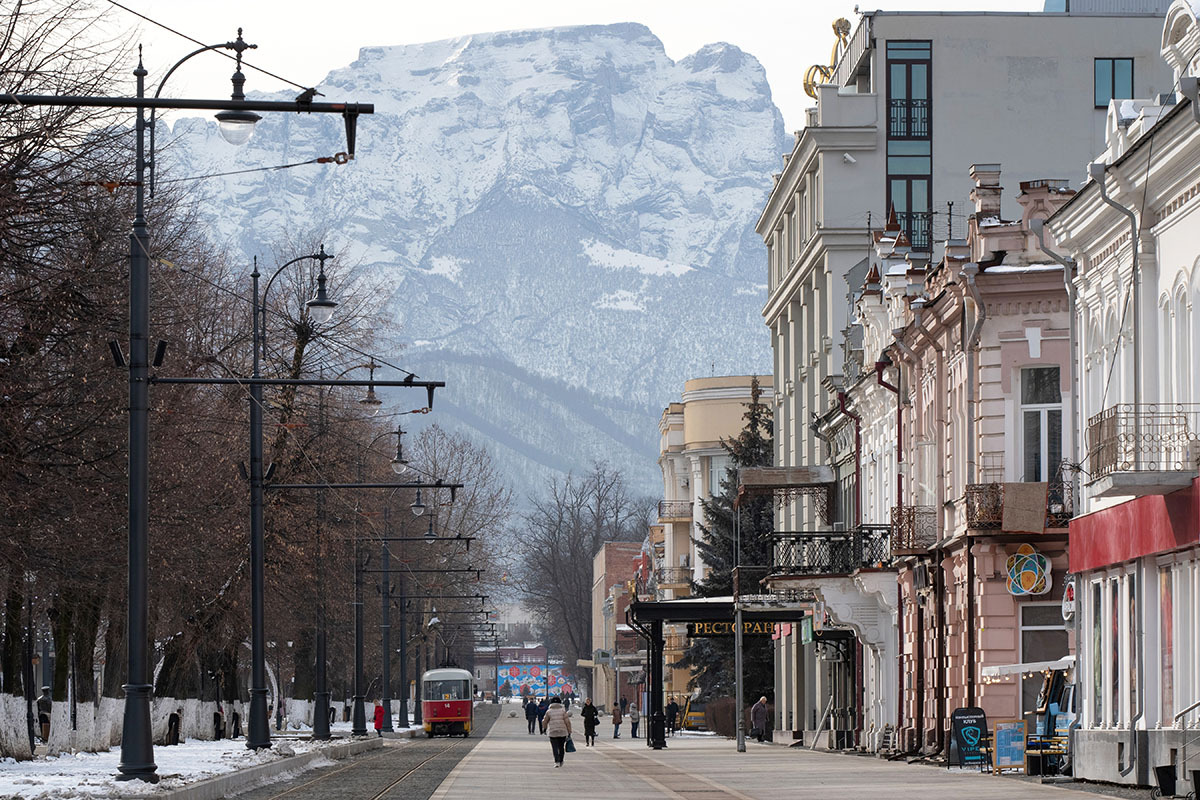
x=92, y=775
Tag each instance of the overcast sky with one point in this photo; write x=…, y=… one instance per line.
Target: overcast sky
x=303, y=40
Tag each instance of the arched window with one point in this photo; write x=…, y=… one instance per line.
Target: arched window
x=1164, y=377
x=1180, y=357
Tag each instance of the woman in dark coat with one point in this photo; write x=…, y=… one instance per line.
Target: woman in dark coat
x=591, y=716
x=531, y=715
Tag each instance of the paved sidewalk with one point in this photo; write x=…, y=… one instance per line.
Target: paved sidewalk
x=510, y=763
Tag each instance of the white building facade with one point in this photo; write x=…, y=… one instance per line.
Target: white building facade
x=1132, y=233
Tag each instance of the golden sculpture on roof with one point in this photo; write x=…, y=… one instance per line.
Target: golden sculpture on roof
x=819, y=73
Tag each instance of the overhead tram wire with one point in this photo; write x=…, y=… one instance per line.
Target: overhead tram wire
x=281, y=316
x=168, y=28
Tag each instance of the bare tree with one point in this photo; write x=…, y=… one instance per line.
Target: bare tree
x=554, y=550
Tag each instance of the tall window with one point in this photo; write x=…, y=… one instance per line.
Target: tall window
x=909, y=146
x=1166, y=643
x=1097, y=653
x=1041, y=424
x=1043, y=638
x=1114, y=80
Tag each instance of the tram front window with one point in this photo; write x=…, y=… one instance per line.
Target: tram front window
x=447, y=690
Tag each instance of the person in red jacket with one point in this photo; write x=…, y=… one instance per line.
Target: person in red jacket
x=379, y=718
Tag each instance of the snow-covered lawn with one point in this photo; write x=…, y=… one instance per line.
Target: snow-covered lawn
x=92, y=775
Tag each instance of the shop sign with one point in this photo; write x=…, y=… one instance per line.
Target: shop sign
x=704, y=630
x=968, y=726
x=1068, y=603
x=806, y=630
x=1028, y=572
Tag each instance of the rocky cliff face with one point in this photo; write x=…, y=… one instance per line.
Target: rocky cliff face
x=562, y=219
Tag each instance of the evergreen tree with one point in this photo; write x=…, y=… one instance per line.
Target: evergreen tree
x=711, y=660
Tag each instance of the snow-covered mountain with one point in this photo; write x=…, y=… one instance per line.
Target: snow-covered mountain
x=563, y=220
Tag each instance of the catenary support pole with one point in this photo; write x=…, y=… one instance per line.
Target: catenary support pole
x=137, y=747
x=359, y=725
x=386, y=625
x=404, y=691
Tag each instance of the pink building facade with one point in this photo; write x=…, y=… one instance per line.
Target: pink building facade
x=971, y=360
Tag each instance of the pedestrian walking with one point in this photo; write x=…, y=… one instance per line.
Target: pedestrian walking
x=758, y=719
x=672, y=715
x=616, y=720
x=635, y=717
x=591, y=717
x=624, y=704
x=379, y=719
x=558, y=728
x=531, y=715
x=542, y=706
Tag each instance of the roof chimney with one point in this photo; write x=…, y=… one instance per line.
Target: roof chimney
x=986, y=194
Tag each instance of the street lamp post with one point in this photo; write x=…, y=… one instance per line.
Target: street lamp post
x=137, y=748
x=359, y=725
x=385, y=625
x=258, y=735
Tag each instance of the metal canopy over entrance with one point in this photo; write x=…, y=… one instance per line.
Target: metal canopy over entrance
x=754, y=608
x=788, y=483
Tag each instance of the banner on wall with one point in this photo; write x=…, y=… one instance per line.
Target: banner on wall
x=531, y=679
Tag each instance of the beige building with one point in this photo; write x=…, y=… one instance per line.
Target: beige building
x=693, y=465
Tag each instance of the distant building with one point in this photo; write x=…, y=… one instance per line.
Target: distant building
x=617, y=653
x=693, y=464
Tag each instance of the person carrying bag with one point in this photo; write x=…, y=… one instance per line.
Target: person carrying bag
x=557, y=726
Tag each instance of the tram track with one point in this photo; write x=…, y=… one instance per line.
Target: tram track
x=401, y=769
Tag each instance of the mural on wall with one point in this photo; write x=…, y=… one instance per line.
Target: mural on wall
x=1028, y=572
x=531, y=679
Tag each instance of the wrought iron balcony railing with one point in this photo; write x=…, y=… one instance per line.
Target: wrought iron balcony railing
x=833, y=552
x=908, y=119
x=914, y=529
x=674, y=576
x=674, y=509
x=985, y=505
x=1147, y=437
x=919, y=227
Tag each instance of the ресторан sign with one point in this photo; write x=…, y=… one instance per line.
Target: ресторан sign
x=704, y=629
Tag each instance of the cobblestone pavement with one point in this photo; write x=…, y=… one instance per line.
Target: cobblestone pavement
x=510, y=763
x=409, y=769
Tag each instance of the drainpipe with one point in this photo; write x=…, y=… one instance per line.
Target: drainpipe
x=841, y=398
x=1069, y=266
x=1096, y=171
x=880, y=366
x=918, y=308
x=970, y=349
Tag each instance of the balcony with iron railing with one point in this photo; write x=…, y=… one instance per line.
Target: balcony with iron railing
x=918, y=226
x=1142, y=449
x=671, y=510
x=914, y=529
x=908, y=118
x=985, y=505
x=672, y=577
x=832, y=552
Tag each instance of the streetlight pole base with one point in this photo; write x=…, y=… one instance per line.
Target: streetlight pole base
x=137, y=748
x=258, y=734
x=321, y=716
x=359, y=727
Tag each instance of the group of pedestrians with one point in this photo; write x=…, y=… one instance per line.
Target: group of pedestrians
x=552, y=717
